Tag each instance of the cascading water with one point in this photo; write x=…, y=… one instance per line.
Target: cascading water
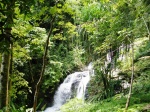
x=73, y=86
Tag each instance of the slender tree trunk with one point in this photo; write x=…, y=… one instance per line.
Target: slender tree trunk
x=7, y=63
x=5, y=71
x=11, y=71
x=7, y=56
x=43, y=67
x=1, y=76
x=132, y=77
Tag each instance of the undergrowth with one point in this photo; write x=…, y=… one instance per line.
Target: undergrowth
x=114, y=104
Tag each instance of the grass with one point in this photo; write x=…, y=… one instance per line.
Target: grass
x=114, y=104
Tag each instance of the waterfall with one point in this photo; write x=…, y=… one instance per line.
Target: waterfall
x=73, y=86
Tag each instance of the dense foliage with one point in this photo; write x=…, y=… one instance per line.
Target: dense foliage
x=83, y=31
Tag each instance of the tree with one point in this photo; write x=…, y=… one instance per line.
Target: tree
x=43, y=66
x=8, y=11
x=8, y=16
x=132, y=77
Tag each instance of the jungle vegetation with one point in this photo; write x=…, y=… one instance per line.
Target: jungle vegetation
x=42, y=41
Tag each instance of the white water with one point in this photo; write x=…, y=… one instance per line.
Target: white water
x=73, y=86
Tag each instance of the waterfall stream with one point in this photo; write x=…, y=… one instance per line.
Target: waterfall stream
x=73, y=86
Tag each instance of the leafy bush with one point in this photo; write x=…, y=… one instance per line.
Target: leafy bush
x=75, y=105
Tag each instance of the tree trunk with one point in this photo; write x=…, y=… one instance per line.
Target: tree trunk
x=1, y=76
x=37, y=87
x=6, y=63
x=5, y=70
x=132, y=77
